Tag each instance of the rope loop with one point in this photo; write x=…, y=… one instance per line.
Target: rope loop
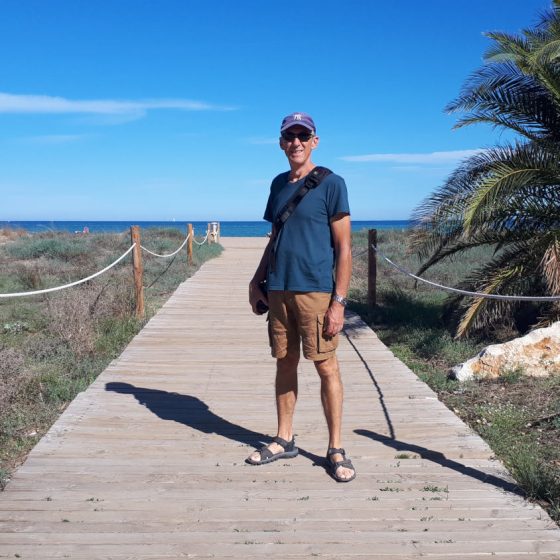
x=170, y=254
x=464, y=292
x=56, y=288
x=356, y=255
x=203, y=241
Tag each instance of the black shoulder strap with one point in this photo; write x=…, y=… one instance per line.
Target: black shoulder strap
x=312, y=181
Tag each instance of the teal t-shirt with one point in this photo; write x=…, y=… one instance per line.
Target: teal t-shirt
x=305, y=250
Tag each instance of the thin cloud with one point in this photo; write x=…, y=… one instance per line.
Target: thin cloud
x=432, y=158
x=45, y=104
x=107, y=120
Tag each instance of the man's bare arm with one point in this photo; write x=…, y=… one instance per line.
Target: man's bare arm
x=342, y=237
x=255, y=293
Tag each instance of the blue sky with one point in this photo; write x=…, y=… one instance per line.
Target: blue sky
x=170, y=109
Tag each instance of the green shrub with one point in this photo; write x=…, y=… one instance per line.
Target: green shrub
x=57, y=388
x=4, y=477
x=64, y=248
x=512, y=375
x=114, y=333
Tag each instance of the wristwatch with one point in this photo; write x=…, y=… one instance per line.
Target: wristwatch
x=340, y=299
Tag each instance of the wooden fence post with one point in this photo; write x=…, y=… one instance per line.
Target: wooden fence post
x=372, y=268
x=138, y=271
x=190, y=233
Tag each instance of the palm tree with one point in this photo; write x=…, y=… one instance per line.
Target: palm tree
x=507, y=197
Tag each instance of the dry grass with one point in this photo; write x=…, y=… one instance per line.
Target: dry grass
x=8, y=234
x=12, y=375
x=71, y=318
x=52, y=346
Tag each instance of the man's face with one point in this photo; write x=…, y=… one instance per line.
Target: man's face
x=298, y=151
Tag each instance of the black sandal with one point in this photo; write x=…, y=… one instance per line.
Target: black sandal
x=290, y=450
x=333, y=466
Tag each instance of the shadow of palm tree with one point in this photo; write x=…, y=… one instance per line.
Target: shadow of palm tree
x=441, y=459
x=192, y=412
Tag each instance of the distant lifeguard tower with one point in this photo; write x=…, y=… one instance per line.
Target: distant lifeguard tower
x=213, y=232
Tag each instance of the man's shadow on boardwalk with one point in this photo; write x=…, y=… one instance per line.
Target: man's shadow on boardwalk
x=192, y=412
x=403, y=446
x=440, y=459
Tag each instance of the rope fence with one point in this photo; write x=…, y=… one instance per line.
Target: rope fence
x=356, y=255
x=373, y=251
x=76, y=283
x=203, y=241
x=170, y=254
x=212, y=236
x=464, y=292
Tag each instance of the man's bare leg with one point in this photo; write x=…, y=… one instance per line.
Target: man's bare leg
x=286, y=397
x=331, y=397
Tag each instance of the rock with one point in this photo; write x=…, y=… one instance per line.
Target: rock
x=536, y=354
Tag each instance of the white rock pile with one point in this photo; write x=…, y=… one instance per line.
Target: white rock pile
x=536, y=354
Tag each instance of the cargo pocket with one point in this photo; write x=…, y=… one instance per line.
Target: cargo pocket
x=324, y=344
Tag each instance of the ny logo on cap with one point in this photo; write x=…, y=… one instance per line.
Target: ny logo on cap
x=297, y=117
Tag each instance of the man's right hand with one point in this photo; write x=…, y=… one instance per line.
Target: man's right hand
x=255, y=296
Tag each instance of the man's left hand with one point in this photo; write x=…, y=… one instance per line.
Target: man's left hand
x=334, y=319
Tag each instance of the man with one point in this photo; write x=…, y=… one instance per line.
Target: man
x=306, y=305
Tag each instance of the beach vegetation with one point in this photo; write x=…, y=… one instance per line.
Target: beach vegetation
x=517, y=415
x=52, y=346
x=505, y=198
x=64, y=247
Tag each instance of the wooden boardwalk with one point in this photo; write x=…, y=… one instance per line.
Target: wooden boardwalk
x=149, y=461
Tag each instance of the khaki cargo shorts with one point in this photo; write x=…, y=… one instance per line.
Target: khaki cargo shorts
x=299, y=316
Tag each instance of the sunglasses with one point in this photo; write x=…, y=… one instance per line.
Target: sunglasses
x=301, y=136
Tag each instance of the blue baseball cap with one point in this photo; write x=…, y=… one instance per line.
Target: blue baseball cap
x=301, y=119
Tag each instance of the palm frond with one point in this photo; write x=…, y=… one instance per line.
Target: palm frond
x=550, y=264
x=498, y=239
x=511, y=173
x=507, y=197
x=501, y=95
x=483, y=196
x=547, y=54
x=506, y=47
x=509, y=273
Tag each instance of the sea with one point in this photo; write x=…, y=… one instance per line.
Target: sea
x=227, y=229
